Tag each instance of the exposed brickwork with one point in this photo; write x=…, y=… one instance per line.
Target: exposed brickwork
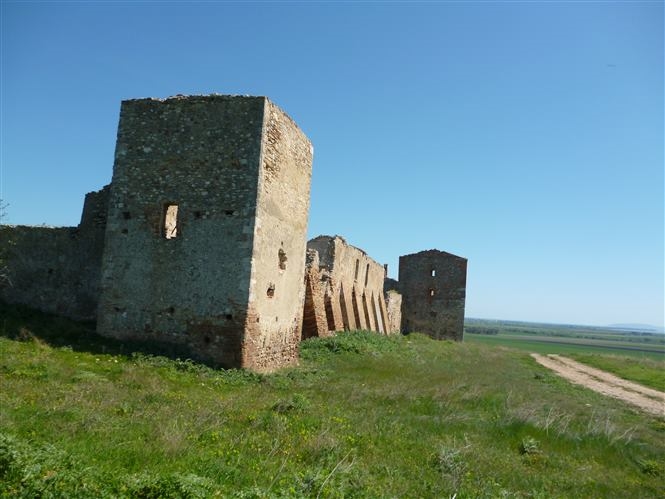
x=230, y=165
x=433, y=286
x=314, y=312
x=393, y=311
x=277, y=291
x=351, y=285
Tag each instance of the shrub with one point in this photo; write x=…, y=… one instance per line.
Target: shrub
x=529, y=446
x=175, y=485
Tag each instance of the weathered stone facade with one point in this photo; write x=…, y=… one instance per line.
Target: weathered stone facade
x=206, y=233
x=200, y=242
x=393, y=311
x=350, y=285
x=57, y=270
x=433, y=286
x=314, y=320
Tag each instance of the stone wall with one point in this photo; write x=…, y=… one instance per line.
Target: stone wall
x=393, y=311
x=314, y=312
x=277, y=290
x=352, y=286
x=433, y=286
x=188, y=236
x=57, y=270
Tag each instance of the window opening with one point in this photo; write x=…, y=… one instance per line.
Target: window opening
x=171, y=221
x=433, y=273
x=355, y=275
x=367, y=274
x=282, y=259
x=271, y=290
x=431, y=292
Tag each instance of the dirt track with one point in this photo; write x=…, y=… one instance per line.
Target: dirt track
x=647, y=399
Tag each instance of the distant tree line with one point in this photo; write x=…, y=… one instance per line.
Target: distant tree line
x=481, y=330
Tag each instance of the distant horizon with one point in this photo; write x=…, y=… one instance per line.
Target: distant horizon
x=627, y=325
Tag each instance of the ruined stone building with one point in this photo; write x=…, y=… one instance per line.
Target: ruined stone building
x=206, y=229
x=344, y=290
x=200, y=241
x=433, y=286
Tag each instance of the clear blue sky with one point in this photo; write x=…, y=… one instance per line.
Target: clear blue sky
x=526, y=137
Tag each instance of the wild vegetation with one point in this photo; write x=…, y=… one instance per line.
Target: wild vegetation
x=362, y=416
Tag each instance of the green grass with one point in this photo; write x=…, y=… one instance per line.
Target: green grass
x=645, y=371
x=363, y=416
x=561, y=346
x=636, y=338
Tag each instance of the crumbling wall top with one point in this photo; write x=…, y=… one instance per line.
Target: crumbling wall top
x=433, y=252
x=327, y=246
x=196, y=97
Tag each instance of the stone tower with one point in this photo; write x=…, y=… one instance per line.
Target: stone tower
x=206, y=229
x=433, y=287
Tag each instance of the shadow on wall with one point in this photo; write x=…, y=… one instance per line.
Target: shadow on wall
x=23, y=323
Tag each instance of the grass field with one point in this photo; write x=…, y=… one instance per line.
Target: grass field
x=633, y=355
x=645, y=371
x=565, y=339
x=363, y=416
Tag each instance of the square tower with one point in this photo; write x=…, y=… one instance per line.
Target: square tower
x=433, y=286
x=206, y=229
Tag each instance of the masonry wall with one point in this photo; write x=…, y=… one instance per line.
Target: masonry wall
x=433, y=287
x=352, y=286
x=203, y=155
x=393, y=311
x=314, y=313
x=277, y=290
x=57, y=270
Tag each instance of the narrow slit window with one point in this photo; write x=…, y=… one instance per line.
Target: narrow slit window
x=367, y=275
x=171, y=221
x=282, y=259
x=355, y=275
x=433, y=273
x=431, y=292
